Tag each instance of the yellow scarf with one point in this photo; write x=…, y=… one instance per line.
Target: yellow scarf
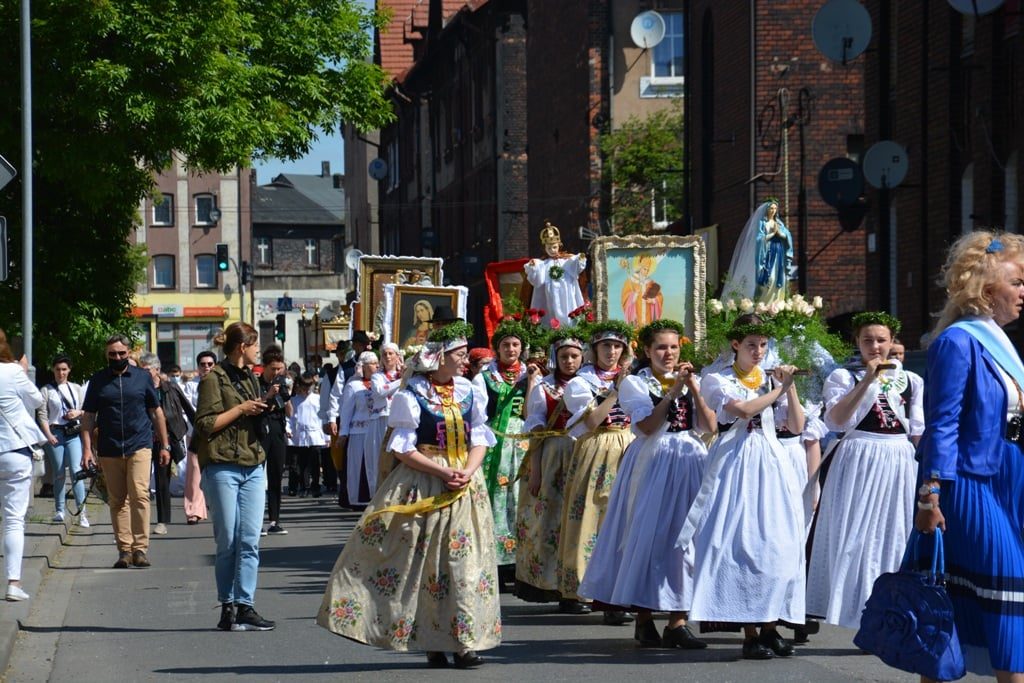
x=752, y=379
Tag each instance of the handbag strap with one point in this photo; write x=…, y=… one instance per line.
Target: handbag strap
x=911, y=556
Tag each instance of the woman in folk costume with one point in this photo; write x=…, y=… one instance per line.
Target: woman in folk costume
x=360, y=432
x=867, y=504
x=384, y=384
x=556, y=279
x=418, y=572
x=506, y=383
x=746, y=527
x=547, y=461
x=635, y=564
x=601, y=430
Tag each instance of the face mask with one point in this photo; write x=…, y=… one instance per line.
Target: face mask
x=176, y=379
x=117, y=365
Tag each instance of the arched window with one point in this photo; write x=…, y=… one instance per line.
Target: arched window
x=967, y=200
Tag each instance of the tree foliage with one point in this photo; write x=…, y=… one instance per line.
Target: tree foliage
x=119, y=84
x=643, y=161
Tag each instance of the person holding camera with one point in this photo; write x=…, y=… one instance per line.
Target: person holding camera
x=122, y=403
x=228, y=440
x=60, y=419
x=19, y=399
x=274, y=383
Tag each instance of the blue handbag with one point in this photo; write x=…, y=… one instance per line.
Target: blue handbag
x=908, y=620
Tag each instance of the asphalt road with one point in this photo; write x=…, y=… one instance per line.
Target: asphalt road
x=89, y=622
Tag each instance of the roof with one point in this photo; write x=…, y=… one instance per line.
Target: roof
x=409, y=22
x=298, y=199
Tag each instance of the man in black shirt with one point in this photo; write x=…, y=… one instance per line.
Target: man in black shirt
x=273, y=384
x=122, y=405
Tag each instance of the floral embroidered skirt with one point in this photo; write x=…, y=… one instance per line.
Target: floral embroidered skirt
x=588, y=486
x=501, y=465
x=540, y=520
x=418, y=582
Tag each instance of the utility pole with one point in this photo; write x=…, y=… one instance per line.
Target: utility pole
x=26, y=181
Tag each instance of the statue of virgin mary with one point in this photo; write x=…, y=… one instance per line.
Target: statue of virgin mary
x=761, y=262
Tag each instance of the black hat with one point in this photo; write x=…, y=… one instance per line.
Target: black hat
x=360, y=337
x=444, y=314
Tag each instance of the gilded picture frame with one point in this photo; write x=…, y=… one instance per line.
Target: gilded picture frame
x=639, y=278
x=408, y=310
x=377, y=271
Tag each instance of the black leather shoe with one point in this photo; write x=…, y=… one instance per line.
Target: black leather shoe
x=437, y=660
x=646, y=634
x=753, y=649
x=779, y=645
x=681, y=637
x=470, y=660
x=573, y=607
x=616, y=618
x=800, y=636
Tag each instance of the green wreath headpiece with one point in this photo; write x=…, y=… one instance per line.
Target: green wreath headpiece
x=452, y=333
x=862, y=320
x=614, y=330
x=741, y=332
x=512, y=328
x=646, y=334
x=565, y=337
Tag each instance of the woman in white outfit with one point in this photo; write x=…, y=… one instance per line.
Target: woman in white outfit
x=359, y=430
x=384, y=384
x=867, y=506
x=747, y=523
x=19, y=399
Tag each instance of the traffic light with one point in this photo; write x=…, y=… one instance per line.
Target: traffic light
x=223, y=261
x=246, y=273
x=279, y=327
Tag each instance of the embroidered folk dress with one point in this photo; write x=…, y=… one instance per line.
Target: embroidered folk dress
x=505, y=403
x=635, y=563
x=867, y=505
x=747, y=523
x=421, y=575
x=590, y=477
x=540, y=517
x=360, y=421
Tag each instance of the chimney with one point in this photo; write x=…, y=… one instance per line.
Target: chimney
x=338, y=181
x=325, y=169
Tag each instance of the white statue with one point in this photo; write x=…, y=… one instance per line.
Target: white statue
x=556, y=279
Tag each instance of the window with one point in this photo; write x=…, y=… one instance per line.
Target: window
x=667, y=66
x=392, y=179
x=163, y=272
x=264, y=256
x=312, y=253
x=206, y=270
x=204, y=206
x=163, y=210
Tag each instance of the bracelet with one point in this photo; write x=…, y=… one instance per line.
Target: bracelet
x=926, y=506
x=926, y=490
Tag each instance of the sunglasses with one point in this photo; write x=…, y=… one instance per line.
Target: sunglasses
x=206, y=365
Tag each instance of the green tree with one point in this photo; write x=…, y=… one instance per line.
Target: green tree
x=118, y=85
x=643, y=164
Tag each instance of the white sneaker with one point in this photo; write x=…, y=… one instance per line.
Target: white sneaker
x=59, y=517
x=160, y=529
x=16, y=594
x=83, y=521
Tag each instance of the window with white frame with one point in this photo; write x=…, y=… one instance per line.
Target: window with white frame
x=661, y=208
x=666, y=78
x=312, y=253
x=264, y=255
x=206, y=271
x=163, y=210
x=163, y=272
x=205, y=204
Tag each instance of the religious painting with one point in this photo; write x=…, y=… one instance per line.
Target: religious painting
x=408, y=310
x=375, y=272
x=710, y=236
x=640, y=279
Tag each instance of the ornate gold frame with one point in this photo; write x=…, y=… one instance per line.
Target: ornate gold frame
x=409, y=266
x=639, y=243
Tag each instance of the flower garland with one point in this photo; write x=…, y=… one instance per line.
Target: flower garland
x=875, y=318
x=556, y=272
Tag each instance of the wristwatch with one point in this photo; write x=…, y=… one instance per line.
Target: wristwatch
x=166, y=448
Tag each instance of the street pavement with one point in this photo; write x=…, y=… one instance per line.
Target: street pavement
x=87, y=622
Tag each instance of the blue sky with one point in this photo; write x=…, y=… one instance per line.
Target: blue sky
x=327, y=148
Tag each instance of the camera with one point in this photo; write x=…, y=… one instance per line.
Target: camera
x=91, y=472
x=283, y=395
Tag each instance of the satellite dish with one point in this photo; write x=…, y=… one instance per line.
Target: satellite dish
x=647, y=29
x=841, y=29
x=885, y=164
x=976, y=7
x=378, y=169
x=352, y=258
x=840, y=182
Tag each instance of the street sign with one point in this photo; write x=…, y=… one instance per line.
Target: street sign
x=3, y=248
x=284, y=303
x=7, y=172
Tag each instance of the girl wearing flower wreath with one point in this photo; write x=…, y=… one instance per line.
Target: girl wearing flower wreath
x=540, y=491
x=601, y=429
x=745, y=530
x=383, y=385
x=506, y=383
x=633, y=567
x=867, y=505
x=555, y=279
x=418, y=572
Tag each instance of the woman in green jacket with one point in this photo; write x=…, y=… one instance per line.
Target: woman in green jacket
x=228, y=427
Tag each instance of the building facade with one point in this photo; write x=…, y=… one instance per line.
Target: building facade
x=185, y=299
